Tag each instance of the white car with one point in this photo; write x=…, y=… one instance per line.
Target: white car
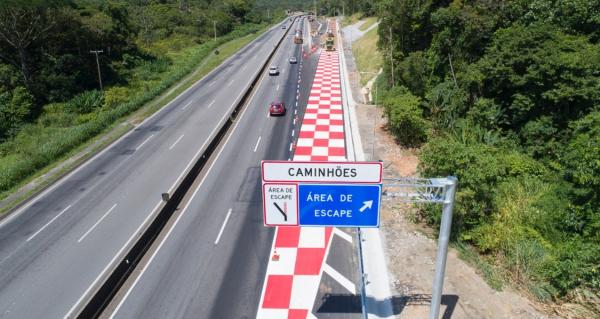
x=293, y=60
x=273, y=70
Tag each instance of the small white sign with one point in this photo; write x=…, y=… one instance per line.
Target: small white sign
x=280, y=204
x=322, y=172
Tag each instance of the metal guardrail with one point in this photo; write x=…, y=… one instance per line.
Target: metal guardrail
x=416, y=190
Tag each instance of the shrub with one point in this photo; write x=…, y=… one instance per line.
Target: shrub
x=405, y=117
x=479, y=168
x=15, y=107
x=85, y=102
x=581, y=162
x=115, y=96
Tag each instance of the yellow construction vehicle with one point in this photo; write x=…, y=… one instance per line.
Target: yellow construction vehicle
x=329, y=44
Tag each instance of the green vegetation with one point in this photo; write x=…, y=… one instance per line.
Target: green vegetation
x=50, y=104
x=368, y=23
x=506, y=96
x=351, y=19
x=367, y=56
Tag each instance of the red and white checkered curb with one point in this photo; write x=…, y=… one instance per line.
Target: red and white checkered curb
x=298, y=253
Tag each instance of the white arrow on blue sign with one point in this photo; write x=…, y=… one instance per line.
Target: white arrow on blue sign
x=339, y=205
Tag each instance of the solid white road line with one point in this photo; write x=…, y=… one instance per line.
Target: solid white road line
x=98, y=222
x=257, y=142
x=144, y=142
x=223, y=226
x=339, y=278
x=211, y=104
x=50, y=222
x=178, y=139
x=87, y=291
x=343, y=234
x=188, y=104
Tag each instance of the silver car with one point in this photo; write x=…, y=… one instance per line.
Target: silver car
x=274, y=70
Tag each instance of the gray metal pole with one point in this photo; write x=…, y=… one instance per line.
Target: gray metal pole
x=375, y=90
x=215, y=29
x=440, y=265
x=392, y=57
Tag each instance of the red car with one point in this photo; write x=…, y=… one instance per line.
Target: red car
x=277, y=108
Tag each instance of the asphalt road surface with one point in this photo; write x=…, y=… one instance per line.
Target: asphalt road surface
x=212, y=262
x=64, y=241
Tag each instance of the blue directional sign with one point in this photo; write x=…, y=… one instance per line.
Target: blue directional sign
x=339, y=205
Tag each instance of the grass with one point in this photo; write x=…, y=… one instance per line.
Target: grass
x=369, y=22
x=490, y=274
x=41, y=148
x=368, y=58
x=208, y=64
x=348, y=20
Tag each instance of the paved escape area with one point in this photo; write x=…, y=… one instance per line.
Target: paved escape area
x=298, y=253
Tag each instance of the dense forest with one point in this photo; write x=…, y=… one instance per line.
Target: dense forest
x=70, y=68
x=505, y=95
x=322, y=7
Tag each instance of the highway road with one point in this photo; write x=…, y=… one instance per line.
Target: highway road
x=212, y=262
x=57, y=248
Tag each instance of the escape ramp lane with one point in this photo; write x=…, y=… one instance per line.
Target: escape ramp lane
x=296, y=263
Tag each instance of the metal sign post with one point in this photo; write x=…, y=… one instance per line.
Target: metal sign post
x=434, y=190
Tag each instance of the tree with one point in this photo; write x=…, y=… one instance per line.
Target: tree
x=537, y=71
x=581, y=161
x=15, y=106
x=20, y=27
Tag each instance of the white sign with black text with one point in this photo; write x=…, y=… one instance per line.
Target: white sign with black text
x=280, y=202
x=322, y=172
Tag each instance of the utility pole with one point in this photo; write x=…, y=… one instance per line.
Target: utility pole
x=215, y=29
x=392, y=56
x=452, y=69
x=96, y=52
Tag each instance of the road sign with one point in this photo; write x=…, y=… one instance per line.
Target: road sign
x=339, y=205
x=280, y=203
x=322, y=172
